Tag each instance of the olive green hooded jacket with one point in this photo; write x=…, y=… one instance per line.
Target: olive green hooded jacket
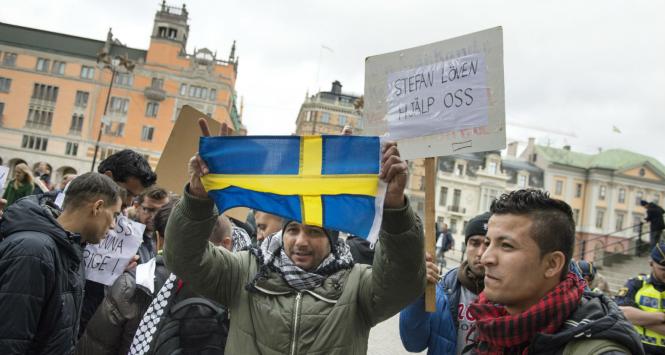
x=334, y=318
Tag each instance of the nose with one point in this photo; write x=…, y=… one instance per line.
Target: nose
x=301, y=239
x=488, y=256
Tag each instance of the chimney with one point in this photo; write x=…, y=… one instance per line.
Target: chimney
x=512, y=149
x=337, y=87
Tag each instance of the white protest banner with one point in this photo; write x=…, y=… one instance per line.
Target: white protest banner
x=439, y=99
x=105, y=261
x=4, y=174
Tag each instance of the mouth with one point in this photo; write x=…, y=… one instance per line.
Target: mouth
x=490, y=278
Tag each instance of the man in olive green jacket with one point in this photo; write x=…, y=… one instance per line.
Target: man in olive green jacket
x=272, y=314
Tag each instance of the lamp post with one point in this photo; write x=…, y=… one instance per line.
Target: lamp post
x=113, y=63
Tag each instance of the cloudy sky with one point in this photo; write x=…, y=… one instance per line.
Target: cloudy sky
x=573, y=69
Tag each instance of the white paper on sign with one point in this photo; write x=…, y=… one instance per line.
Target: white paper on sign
x=107, y=260
x=437, y=98
x=4, y=174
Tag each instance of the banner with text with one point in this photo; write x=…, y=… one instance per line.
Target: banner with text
x=441, y=98
x=105, y=261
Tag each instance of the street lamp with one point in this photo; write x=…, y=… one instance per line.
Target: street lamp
x=113, y=63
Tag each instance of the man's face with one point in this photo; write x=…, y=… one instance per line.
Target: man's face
x=514, y=270
x=103, y=218
x=475, y=247
x=146, y=211
x=305, y=245
x=134, y=188
x=658, y=271
x=266, y=224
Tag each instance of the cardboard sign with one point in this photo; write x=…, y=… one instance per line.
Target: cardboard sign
x=4, y=175
x=183, y=143
x=105, y=261
x=439, y=99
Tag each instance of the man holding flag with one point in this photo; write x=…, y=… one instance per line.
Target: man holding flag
x=299, y=291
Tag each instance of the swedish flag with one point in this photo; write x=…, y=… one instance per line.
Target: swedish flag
x=326, y=181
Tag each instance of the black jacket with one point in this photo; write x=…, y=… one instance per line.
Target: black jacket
x=41, y=280
x=655, y=216
x=597, y=317
x=112, y=327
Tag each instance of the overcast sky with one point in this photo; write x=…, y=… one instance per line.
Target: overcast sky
x=573, y=69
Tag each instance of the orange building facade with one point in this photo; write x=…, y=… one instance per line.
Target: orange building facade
x=53, y=92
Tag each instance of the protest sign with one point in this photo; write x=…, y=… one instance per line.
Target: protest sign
x=107, y=260
x=4, y=174
x=183, y=143
x=439, y=99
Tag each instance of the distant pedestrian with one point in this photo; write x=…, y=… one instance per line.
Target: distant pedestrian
x=655, y=218
x=20, y=186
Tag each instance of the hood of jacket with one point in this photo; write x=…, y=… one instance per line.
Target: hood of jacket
x=38, y=213
x=597, y=317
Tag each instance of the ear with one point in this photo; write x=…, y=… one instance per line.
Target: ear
x=109, y=173
x=555, y=262
x=97, y=207
x=227, y=243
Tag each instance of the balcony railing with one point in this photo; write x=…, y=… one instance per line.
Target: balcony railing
x=154, y=93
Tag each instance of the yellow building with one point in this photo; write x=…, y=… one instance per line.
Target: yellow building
x=328, y=112
x=604, y=190
x=53, y=93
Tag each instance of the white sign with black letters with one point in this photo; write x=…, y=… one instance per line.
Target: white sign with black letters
x=105, y=261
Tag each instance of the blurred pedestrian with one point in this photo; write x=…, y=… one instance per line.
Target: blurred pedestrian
x=655, y=219
x=20, y=186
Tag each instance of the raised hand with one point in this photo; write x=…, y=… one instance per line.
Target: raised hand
x=394, y=171
x=197, y=167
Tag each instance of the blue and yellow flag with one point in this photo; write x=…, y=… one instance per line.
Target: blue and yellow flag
x=326, y=181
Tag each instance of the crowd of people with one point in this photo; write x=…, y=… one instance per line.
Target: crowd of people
x=204, y=283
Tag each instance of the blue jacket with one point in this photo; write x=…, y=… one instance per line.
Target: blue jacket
x=436, y=332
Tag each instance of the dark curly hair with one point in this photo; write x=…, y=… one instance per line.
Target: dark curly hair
x=127, y=163
x=553, y=226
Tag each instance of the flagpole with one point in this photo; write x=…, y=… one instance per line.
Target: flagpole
x=430, y=238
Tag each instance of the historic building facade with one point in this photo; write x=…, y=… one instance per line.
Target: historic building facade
x=327, y=112
x=54, y=87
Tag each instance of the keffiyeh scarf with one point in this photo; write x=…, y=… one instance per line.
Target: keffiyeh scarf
x=271, y=256
x=501, y=333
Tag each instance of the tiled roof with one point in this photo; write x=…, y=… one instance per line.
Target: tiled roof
x=613, y=159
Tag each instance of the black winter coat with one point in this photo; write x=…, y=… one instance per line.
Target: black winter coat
x=41, y=280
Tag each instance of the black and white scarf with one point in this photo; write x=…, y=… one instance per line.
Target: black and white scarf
x=271, y=255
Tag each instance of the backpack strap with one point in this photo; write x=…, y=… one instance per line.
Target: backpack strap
x=184, y=303
x=593, y=347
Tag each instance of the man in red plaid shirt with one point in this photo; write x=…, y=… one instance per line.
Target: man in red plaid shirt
x=532, y=303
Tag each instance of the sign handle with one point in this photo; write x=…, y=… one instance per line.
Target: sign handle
x=430, y=231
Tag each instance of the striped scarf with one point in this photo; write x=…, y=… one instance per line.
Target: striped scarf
x=502, y=333
x=271, y=255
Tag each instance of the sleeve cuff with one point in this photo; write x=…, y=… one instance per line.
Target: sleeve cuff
x=194, y=208
x=398, y=220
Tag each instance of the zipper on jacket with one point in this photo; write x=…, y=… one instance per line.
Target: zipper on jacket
x=296, y=320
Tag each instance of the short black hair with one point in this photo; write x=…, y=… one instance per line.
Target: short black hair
x=154, y=193
x=127, y=163
x=162, y=216
x=90, y=187
x=553, y=226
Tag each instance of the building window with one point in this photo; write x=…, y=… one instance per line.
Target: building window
x=619, y=222
x=521, y=180
x=117, y=129
x=443, y=196
x=576, y=216
x=9, y=59
x=602, y=192
x=119, y=105
x=622, y=195
x=71, y=148
x=308, y=116
x=45, y=92
x=198, y=92
x=600, y=216
x=642, y=172
x=457, y=197
x=491, y=167
x=43, y=64
x=5, y=84
x=213, y=94
x=325, y=117
x=157, y=83
x=459, y=170
x=342, y=120
x=40, y=119
x=147, y=132
x=58, y=67
x=87, y=72
x=637, y=220
x=34, y=143
x=124, y=79
x=2, y=110
x=638, y=197
x=183, y=89
x=489, y=195
x=81, y=99
x=558, y=188
x=173, y=33
x=77, y=124
x=151, y=109
x=578, y=190
x=453, y=226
